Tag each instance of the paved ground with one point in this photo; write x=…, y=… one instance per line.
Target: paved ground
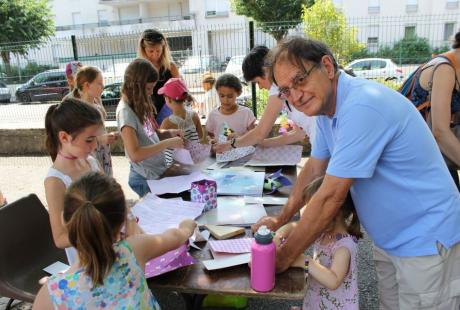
x=23, y=175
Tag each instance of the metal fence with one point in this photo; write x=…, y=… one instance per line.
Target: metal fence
x=406, y=40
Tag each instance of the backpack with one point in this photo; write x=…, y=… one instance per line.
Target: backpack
x=407, y=87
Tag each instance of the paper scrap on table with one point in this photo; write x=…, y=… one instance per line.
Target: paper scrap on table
x=285, y=155
x=198, y=236
x=235, y=246
x=56, y=268
x=169, y=261
x=233, y=260
x=158, y=214
x=234, y=154
x=266, y=200
x=174, y=185
x=183, y=156
x=233, y=211
x=198, y=151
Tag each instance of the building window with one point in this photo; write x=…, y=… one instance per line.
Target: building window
x=102, y=18
x=409, y=32
x=217, y=8
x=412, y=6
x=452, y=4
x=76, y=19
x=372, y=38
x=373, y=6
x=448, y=31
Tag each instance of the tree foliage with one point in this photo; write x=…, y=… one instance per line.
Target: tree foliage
x=273, y=16
x=25, y=25
x=325, y=23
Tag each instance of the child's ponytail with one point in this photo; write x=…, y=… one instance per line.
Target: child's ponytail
x=51, y=140
x=94, y=212
x=91, y=235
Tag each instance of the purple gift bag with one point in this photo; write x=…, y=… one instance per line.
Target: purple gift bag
x=204, y=191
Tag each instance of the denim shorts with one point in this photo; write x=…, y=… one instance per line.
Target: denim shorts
x=138, y=183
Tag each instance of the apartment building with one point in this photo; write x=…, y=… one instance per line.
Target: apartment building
x=383, y=22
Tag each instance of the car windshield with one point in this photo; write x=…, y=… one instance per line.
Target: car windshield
x=236, y=61
x=2, y=85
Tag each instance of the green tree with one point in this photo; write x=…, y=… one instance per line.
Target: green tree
x=273, y=16
x=325, y=23
x=25, y=25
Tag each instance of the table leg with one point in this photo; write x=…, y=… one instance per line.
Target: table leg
x=192, y=301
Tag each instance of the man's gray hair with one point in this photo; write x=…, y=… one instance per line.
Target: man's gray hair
x=297, y=50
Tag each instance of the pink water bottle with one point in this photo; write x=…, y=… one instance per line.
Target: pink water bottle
x=263, y=253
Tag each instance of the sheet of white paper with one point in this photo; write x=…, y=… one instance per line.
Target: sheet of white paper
x=232, y=211
x=56, y=268
x=174, y=185
x=183, y=156
x=286, y=155
x=266, y=200
x=221, y=263
x=157, y=214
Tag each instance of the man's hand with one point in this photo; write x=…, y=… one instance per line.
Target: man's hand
x=272, y=222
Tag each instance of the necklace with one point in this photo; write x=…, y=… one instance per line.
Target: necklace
x=67, y=157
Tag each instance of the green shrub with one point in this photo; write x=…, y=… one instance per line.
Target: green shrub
x=19, y=75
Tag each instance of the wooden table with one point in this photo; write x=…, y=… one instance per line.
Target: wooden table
x=194, y=282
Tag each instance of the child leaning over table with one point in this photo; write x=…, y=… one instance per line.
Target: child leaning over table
x=109, y=272
x=332, y=271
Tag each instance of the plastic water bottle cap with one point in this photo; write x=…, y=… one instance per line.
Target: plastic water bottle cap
x=263, y=235
x=263, y=230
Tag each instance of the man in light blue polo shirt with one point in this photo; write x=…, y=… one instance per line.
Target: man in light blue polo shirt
x=371, y=141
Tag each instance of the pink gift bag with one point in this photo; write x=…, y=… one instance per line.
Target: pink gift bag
x=204, y=191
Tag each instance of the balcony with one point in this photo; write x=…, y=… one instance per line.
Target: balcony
x=373, y=9
x=120, y=2
x=452, y=5
x=186, y=21
x=210, y=14
x=411, y=8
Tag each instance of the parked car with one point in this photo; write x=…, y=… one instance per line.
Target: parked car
x=376, y=68
x=5, y=94
x=110, y=98
x=45, y=86
x=234, y=66
x=200, y=64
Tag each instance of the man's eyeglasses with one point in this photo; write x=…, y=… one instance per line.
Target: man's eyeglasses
x=298, y=80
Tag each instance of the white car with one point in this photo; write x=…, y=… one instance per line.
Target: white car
x=376, y=68
x=5, y=93
x=234, y=66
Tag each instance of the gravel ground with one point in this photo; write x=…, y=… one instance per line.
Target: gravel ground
x=33, y=169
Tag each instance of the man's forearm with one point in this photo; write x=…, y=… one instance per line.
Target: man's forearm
x=310, y=171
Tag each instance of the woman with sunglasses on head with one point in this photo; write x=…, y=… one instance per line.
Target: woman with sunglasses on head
x=154, y=47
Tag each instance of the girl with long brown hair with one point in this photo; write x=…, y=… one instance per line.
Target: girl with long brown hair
x=109, y=273
x=139, y=131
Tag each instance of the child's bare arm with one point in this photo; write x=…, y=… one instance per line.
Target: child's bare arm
x=197, y=122
x=146, y=247
x=54, y=191
x=283, y=233
x=331, y=277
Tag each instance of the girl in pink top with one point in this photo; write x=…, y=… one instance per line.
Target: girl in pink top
x=240, y=119
x=332, y=271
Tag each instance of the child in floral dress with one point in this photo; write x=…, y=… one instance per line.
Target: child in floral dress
x=332, y=271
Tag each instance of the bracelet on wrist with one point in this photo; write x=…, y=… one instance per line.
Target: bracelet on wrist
x=305, y=269
x=232, y=143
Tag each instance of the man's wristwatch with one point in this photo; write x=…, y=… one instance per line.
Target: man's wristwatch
x=232, y=143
